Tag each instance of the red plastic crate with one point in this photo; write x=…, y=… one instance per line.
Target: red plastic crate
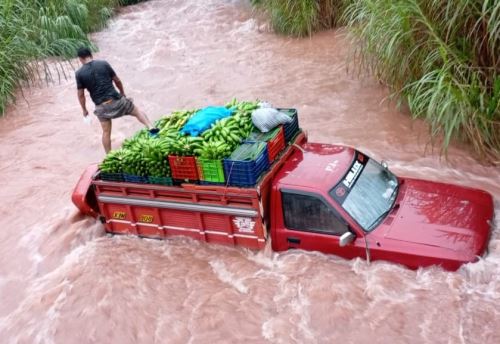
x=183, y=167
x=276, y=145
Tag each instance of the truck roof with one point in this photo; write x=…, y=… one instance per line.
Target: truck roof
x=317, y=165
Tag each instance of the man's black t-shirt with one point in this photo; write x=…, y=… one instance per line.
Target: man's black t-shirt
x=97, y=77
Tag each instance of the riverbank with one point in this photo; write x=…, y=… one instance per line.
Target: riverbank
x=32, y=31
x=441, y=59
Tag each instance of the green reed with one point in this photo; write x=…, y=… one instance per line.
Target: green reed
x=31, y=31
x=301, y=17
x=442, y=58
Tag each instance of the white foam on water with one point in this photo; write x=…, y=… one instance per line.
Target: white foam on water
x=219, y=267
x=267, y=330
x=300, y=305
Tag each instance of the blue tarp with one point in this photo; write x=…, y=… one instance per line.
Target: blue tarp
x=203, y=119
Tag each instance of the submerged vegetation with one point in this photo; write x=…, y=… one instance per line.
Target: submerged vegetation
x=31, y=31
x=442, y=58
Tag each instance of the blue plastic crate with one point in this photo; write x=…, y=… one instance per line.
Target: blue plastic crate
x=130, y=178
x=246, y=173
x=291, y=129
x=111, y=177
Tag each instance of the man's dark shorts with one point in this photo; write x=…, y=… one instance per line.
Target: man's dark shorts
x=114, y=108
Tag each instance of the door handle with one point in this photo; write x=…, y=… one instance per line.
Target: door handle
x=293, y=240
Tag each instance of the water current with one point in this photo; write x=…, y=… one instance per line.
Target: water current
x=62, y=280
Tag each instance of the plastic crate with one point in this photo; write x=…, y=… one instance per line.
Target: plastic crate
x=290, y=129
x=160, y=180
x=111, y=177
x=210, y=183
x=183, y=167
x=210, y=170
x=246, y=173
x=179, y=182
x=275, y=141
x=130, y=178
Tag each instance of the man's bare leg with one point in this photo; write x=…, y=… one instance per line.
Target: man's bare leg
x=106, y=135
x=141, y=116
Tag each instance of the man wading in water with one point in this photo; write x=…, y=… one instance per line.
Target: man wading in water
x=97, y=77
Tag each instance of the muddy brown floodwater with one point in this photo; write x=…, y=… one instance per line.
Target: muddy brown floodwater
x=62, y=280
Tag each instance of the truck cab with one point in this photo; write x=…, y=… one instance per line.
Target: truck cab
x=337, y=200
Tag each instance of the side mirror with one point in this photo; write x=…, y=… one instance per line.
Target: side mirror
x=346, y=238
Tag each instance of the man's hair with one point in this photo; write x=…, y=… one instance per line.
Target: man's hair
x=84, y=52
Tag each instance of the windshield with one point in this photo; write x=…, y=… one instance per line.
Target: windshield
x=367, y=192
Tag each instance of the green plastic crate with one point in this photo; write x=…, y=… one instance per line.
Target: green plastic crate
x=160, y=180
x=210, y=170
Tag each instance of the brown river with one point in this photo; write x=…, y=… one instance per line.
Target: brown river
x=62, y=280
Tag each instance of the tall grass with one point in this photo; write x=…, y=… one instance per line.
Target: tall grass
x=31, y=31
x=301, y=17
x=442, y=58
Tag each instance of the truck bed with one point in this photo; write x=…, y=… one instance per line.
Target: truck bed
x=220, y=214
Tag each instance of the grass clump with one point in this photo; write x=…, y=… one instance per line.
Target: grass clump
x=301, y=17
x=442, y=58
x=31, y=31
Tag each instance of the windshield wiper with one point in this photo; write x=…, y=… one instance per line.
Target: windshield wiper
x=381, y=216
x=395, y=192
x=385, y=213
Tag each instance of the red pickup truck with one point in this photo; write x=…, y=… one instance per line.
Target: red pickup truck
x=320, y=197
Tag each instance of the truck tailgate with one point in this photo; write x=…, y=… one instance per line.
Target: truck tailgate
x=155, y=211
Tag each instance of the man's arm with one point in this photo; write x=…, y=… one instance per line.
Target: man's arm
x=119, y=84
x=81, y=98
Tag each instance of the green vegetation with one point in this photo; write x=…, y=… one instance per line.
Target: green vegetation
x=442, y=58
x=301, y=17
x=31, y=31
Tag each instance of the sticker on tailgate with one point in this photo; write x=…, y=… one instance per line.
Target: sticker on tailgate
x=120, y=215
x=244, y=224
x=146, y=218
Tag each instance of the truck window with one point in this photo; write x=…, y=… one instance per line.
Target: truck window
x=310, y=213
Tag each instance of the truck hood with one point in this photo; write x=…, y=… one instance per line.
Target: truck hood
x=442, y=215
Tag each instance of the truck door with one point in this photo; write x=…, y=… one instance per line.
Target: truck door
x=311, y=223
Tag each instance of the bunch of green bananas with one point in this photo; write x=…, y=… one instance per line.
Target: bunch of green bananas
x=175, y=120
x=244, y=107
x=226, y=130
x=133, y=161
x=146, y=157
x=113, y=162
x=154, y=154
x=139, y=136
x=185, y=145
x=169, y=133
x=224, y=136
x=214, y=150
